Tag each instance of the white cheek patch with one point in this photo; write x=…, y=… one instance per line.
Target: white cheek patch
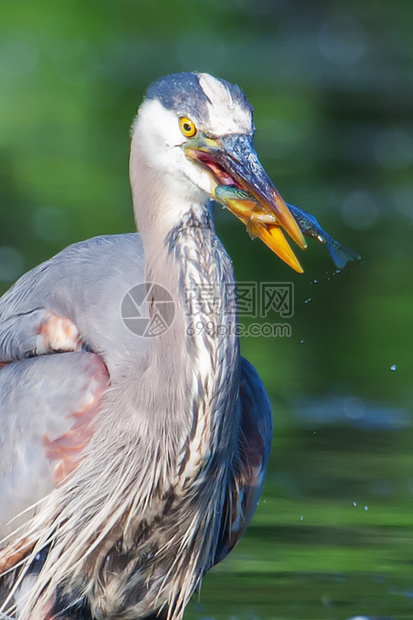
x=225, y=115
x=157, y=137
x=156, y=131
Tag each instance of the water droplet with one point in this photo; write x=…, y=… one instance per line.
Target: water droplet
x=307, y=300
x=315, y=432
x=301, y=518
x=393, y=367
x=354, y=503
x=366, y=507
x=301, y=341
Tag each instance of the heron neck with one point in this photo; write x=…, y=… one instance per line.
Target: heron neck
x=201, y=342
x=196, y=359
x=161, y=201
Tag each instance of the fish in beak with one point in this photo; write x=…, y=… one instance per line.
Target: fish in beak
x=234, y=165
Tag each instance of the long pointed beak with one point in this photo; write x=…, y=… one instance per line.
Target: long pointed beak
x=232, y=160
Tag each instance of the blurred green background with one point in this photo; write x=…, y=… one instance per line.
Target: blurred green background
x=332, y=86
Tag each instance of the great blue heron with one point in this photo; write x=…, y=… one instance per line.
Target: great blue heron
x=134, y=464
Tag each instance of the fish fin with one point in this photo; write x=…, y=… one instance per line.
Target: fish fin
x=253, y=229
x=341, y=255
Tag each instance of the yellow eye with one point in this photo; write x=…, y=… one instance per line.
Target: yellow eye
x=187, y=127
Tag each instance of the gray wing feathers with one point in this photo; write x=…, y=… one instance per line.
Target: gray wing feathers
x=72, y=299
x=41, y=402
x=85, y=283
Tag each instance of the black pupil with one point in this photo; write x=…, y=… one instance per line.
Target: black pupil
x=187, y=127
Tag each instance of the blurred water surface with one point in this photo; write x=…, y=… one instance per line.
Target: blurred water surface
x=332, y=86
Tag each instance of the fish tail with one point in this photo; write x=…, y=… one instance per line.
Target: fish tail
x=340, y=254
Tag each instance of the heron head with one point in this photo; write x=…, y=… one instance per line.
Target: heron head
x=198, y=131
